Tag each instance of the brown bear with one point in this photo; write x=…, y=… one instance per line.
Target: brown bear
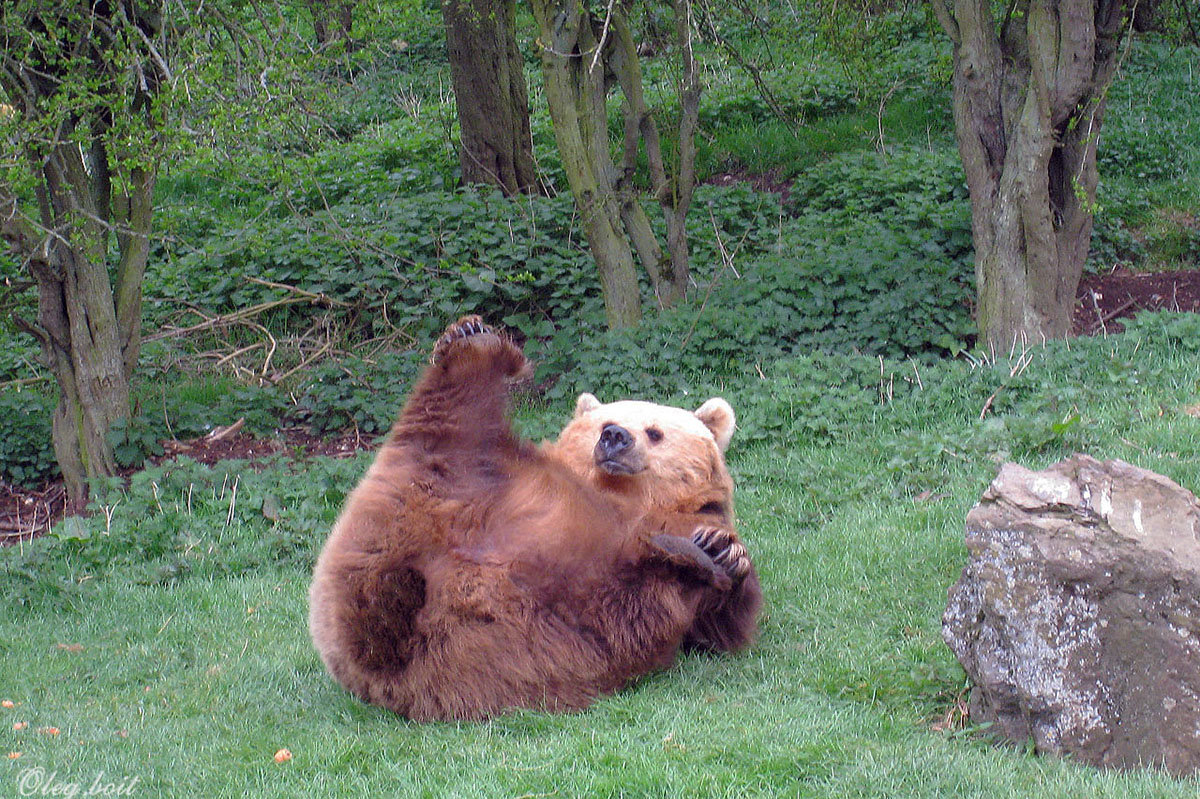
x=471, y=572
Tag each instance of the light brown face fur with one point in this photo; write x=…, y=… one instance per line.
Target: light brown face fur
x=669, y=459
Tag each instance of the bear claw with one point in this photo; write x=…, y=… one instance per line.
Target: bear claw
x=472, y=334
x=725, y=550
x=464, y=328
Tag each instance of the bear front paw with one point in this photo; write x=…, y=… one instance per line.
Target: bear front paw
x=464, y=328
x=682, y=554
x=725, y=549
x=471, y=337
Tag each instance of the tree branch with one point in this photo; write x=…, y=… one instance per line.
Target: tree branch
x=35, y=330
x=19, y=232
x=946, y=18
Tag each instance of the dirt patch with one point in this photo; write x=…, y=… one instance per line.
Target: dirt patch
x=25, y=513
x=766, y=181
x=295, y=442
x=1103, y=302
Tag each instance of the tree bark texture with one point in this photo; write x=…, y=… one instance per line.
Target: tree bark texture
x=576, y=86
x=89, y=302
x=486, y=69
x=583, y=56
x=1029, y=100
x=332, y=22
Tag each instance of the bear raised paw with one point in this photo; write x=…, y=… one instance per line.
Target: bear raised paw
x=470, y=340
x=471, y=572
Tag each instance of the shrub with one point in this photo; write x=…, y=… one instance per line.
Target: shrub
x=877, y=261
x=177, y=519
x=872, y=296
x=26, y=451
x=352, y=394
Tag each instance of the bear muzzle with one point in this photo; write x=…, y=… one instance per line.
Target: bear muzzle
x=616, y=451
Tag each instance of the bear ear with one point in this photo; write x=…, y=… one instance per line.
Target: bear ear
x=585, y=403
x=717, y=415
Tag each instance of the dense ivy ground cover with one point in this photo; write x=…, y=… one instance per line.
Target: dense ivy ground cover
x=869, y=252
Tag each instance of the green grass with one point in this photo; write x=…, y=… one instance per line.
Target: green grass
x=193, y=665
x=788, y=149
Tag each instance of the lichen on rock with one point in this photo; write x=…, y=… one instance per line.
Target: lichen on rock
x=1077, y=617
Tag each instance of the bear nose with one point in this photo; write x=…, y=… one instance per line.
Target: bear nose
x=614, y=439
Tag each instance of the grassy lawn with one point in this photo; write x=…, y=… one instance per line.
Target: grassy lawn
x=189, y=667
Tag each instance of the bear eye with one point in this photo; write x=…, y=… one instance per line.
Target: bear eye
x=654, y=434
x=712, y=507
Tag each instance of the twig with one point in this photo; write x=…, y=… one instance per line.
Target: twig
x=883, y=101
x=324, y=298
x=221, y=321
x=1096, y=308
x=751, y=69
x=1115, y=312
x=727, y=257
x=23, y=381
x=240, y=351
x=304, y=363
x=603, y=37
x=988, y=404
x=726, y=262
x=232, y=500
x=222, y=433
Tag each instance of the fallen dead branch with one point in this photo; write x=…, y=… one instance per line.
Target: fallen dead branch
x=222, y=433
x=272, y=358
x=223, y=320
x=33, y=516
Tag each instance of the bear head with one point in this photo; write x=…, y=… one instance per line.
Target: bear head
x=666, y=459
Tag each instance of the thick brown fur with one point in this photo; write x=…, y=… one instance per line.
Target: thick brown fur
x=471, y=572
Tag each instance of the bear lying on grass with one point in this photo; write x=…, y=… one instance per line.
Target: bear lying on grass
x=471, y=572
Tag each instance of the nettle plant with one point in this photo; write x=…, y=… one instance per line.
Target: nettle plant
x=26, y=454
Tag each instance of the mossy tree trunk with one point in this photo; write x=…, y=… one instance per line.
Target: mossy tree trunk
x=1029, y=99
x=489, y=90
x=332, y=22
x=82, y=226
x=583, y=57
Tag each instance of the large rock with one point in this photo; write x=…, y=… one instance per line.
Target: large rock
x=1078, y=615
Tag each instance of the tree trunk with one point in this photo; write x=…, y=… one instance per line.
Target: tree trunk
x=582, y=56
x=89, y=334
x=489, y=90
x=332, y=22
x=576, y=93
x=676, y=203
x=93, y=180
x=1029, y=100
x=674, y=196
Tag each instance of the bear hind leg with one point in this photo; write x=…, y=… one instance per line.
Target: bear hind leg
x=381, y=633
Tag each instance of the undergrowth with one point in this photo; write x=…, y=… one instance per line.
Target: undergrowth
x=357, y=248
x=918, y=423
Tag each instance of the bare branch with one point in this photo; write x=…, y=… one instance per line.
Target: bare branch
x=944, y=16
x=608, y=15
